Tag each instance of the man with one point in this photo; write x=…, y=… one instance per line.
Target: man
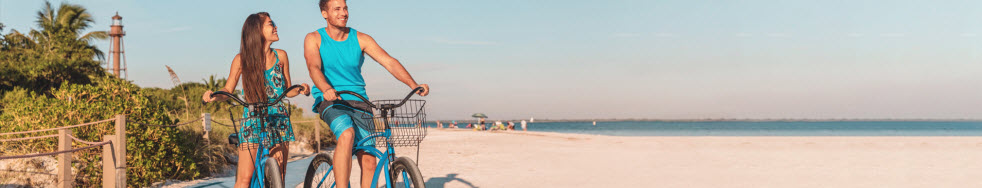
x=334, y=57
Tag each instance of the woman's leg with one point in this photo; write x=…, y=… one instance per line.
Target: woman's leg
x=247, y=152
x=342, y=158
x=281, y=153
x=368, y=164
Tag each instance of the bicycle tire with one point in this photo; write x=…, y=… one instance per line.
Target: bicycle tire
x=272, y=172
x=313, y=176
x=404, y=164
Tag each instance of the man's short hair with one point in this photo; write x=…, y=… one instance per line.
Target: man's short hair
x=323, y=4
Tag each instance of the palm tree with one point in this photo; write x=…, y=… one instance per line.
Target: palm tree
x=214, y=84
x=63, y=28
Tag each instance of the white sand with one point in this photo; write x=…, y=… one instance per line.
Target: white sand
x=463, y=158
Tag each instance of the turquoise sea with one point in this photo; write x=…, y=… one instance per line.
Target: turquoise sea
x=766, y=128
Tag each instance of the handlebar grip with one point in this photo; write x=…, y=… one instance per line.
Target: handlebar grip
x=229, y=96
x=301, y=91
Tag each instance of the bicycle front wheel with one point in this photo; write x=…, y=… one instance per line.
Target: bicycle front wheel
x=405, y=173
x=320, y=173
x=272, y=172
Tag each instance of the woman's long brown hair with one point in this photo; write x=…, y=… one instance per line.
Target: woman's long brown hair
x=253, y=58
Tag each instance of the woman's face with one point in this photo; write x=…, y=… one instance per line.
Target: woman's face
x=269, y=30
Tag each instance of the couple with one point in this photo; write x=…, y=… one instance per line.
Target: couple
x=334, y=56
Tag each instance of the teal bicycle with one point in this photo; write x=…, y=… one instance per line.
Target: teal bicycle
x=267, y=171
x=397, y=123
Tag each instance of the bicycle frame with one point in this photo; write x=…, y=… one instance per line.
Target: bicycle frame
x=384, y=158
x=262, y=153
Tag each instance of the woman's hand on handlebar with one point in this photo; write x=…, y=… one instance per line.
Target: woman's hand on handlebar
x=207, y=96
x=306, y=89
x=425, y=91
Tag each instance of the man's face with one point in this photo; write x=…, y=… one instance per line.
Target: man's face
x=336, y=13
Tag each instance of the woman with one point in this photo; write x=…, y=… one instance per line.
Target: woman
x=265, y=74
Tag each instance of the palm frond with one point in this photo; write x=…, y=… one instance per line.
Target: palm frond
x=95, y=35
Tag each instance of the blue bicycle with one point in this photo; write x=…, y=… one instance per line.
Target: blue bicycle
x=267, y=171
x=397, y=123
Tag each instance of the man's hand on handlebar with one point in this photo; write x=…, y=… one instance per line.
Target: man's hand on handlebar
x=331, y=95
x=425, y=91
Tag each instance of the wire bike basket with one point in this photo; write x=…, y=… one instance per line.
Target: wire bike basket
x=402, y=118
x=405, y=122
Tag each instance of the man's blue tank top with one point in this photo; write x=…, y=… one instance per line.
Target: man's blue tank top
x=341, y=63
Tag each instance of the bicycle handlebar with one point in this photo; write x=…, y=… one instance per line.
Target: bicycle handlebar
x=384, y=106
x=258, y=104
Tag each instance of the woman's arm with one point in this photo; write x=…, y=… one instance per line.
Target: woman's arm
x=285, y=64
x=230, y=82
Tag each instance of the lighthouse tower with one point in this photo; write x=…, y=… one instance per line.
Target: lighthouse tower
x=116, y=50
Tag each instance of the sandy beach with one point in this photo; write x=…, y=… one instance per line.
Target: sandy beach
x=464, y=158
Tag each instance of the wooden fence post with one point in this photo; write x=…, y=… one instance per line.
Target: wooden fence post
x=206, y=125
x=317, y=136
x=65, y=177
x=108, y=163
x=120, y=144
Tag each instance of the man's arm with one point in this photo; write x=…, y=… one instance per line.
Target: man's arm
x=311, y=52
x=370, y=47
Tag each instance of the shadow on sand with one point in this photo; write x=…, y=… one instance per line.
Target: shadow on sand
x=439, y=182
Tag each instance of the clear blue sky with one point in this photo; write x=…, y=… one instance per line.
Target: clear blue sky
x=602, y=59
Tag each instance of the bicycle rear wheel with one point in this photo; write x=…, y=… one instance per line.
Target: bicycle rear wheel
x=405, y=173
x=320, y=172
x=272, y=172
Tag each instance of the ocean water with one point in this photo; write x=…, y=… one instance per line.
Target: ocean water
x=771, y=128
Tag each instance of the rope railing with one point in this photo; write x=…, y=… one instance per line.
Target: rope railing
x=227, y=125
x=220, y=123
x=65, y=127
x=174, y=125
x=29, y=138
x=114, y=169
x=97, y=144
x=83, y=141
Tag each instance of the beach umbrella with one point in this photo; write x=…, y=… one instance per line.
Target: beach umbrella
x=479, y=115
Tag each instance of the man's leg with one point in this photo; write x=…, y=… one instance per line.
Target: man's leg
x=368, y=163
x=342, y=158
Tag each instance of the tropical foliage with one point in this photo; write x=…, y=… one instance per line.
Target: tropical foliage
x=51, y=77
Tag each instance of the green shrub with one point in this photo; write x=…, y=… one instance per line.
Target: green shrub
x=153, y=154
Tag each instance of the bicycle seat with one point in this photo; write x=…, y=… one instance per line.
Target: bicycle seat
x=233, y=139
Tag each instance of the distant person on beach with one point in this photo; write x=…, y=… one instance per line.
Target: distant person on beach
x=265, y=73
x=334, y=57
x=524, y=125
